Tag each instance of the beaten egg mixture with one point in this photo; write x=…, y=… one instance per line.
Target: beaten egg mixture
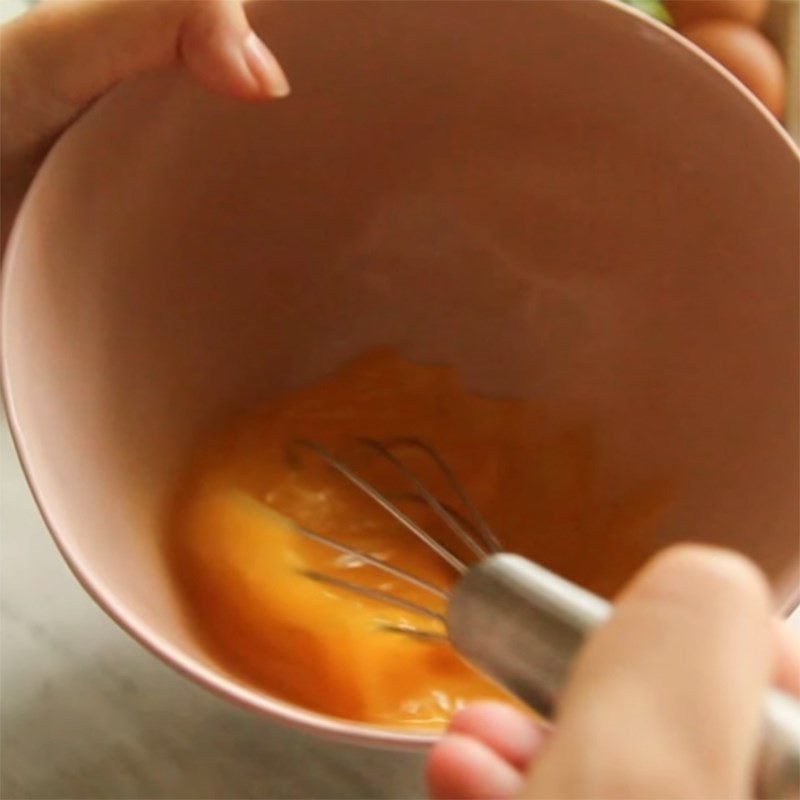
x=241, y=566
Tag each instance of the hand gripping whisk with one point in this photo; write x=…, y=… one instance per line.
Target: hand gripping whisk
x=517, y=622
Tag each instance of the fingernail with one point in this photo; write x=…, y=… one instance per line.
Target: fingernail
x=265, y=67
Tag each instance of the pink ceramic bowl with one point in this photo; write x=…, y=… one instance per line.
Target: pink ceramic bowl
x=562, y=198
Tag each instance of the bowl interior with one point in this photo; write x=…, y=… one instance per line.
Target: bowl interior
x=561, y=199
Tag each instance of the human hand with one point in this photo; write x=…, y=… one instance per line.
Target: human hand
x=665, y=700
x=57, y=59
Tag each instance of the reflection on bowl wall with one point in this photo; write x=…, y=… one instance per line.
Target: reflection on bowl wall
x=564, y=200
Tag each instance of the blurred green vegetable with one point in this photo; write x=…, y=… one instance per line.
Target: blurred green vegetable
x=652, y=7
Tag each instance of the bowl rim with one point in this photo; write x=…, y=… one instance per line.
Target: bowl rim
x=358, y=733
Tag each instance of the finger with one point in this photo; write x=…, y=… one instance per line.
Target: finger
x=665, y=700
x=58, y=58
x=510, y=733
x=462, y=768
x=218, y=45
x=62, y=55
x=787, y=658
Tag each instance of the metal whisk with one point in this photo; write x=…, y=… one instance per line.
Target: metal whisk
x=519, y=623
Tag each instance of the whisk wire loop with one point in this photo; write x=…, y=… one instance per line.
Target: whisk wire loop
x=343, y=469
x=478, y=523
x=438, y=507
x=471, y=528
x=372, y=560
x=375, y=594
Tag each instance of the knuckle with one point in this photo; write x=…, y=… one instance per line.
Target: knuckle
x=716, y=572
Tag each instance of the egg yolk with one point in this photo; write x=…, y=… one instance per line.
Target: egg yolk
x=249, y=578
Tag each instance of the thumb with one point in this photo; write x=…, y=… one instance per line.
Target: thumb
x=665, y=700
x=61, y=56
x=64, y=54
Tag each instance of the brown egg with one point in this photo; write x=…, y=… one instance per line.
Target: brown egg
x=684, y=12
x=748, y=54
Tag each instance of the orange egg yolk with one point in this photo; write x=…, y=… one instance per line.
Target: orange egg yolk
x=243, y=569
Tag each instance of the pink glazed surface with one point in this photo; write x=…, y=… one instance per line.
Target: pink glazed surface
x=563, y=199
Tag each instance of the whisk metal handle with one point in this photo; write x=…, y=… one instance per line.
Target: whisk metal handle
x=523, y=625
